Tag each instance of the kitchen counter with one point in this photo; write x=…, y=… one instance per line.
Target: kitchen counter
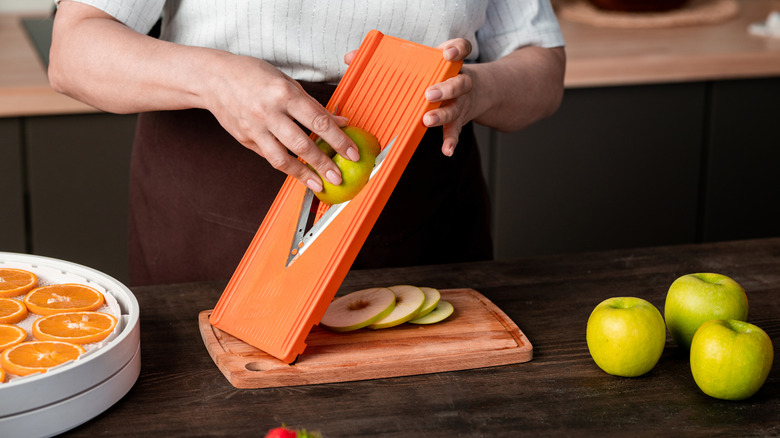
x=560, y=392
x=24, y=86
x=608, y=56
x=596, y=57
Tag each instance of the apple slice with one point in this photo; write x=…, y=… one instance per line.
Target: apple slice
x=358, y=309
x=432, y=297
x=408, y=302
x=442, y=311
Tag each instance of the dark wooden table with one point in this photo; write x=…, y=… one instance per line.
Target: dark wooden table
x=560, y=392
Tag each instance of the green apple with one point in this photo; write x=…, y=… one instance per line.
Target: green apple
x=626, y=336
x=442, y=311
x=358, y=309
x=730, y=359
x=432, y=297
x=354, y=174
x=408, y=302
x=694, y=299
x=325, y=148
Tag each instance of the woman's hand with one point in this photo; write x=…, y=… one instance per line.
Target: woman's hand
x=455, y=96
x=507, y=94
x=259, y=106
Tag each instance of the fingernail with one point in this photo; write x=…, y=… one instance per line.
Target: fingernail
x=333, y=177
x=314, y=185
x=353, y=154
x=433, y=95
x=450, y=53
x=431, y=119
x=341, y=120
x=449, y=149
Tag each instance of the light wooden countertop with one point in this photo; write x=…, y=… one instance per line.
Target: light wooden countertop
x=597, y=57
x=24, y=86
x=608, y=56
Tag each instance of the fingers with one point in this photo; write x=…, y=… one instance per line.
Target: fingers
x=450, y=138
x=264, y=109
x=450, y=89
x=277, y=156
x=285, y=135
x=453, y=93
x=455, y=49
x=325, y=125
x=349, y=57
x=449, y=117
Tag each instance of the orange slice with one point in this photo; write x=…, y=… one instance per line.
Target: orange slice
x=75, y=327
x=2, y=376
x=59, y=298
x=12, y=311
x=15, y=282
x=38, y=356
x=11, y=335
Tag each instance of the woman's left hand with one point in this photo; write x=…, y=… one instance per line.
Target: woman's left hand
x=454, y=95
x=507, y=94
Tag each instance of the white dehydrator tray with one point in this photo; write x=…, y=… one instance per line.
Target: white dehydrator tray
x=73, y=393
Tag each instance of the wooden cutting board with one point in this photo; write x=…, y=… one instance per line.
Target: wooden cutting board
x=478, y=334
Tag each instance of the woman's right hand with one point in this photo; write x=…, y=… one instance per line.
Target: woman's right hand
x=259, y=106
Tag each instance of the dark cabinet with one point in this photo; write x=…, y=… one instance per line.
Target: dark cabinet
x=742, y=190
x=636, y=166
x=13, y=232
x=77, y=170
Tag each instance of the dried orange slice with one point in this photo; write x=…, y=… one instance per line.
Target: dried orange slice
x=38, y=356
x=66, y=297
x=12, y=311
x=75, y=327
x=15, y=282
x=11, y=335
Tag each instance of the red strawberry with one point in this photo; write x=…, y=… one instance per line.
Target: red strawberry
x=281, y=432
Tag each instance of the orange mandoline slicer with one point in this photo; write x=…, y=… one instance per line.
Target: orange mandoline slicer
x=291, y=270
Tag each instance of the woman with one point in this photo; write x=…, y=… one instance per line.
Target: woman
x=248, y=80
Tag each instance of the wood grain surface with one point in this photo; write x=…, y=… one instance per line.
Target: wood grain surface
x=24, y=84
x=478, y=334
x=599, y=56
x=561, y=392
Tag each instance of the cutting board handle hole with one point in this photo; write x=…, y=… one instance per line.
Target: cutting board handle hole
x=257, y=366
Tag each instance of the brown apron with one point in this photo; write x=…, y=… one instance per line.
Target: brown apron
x=197, y=197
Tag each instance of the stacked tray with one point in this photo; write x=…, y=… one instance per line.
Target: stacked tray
x=68, y=395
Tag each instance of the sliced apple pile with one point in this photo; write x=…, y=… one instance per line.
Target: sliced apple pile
x=379, y=308
x=358, y=309
x=408, y=302
x=439, y=313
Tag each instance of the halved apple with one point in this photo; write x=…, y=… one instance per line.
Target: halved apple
x=408, y=302
x=358, y=309
x=442, y=311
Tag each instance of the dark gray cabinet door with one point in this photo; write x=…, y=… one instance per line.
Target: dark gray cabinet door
x=613, y=168
x=12, y=217
x=742, y=198
x=78, y=182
